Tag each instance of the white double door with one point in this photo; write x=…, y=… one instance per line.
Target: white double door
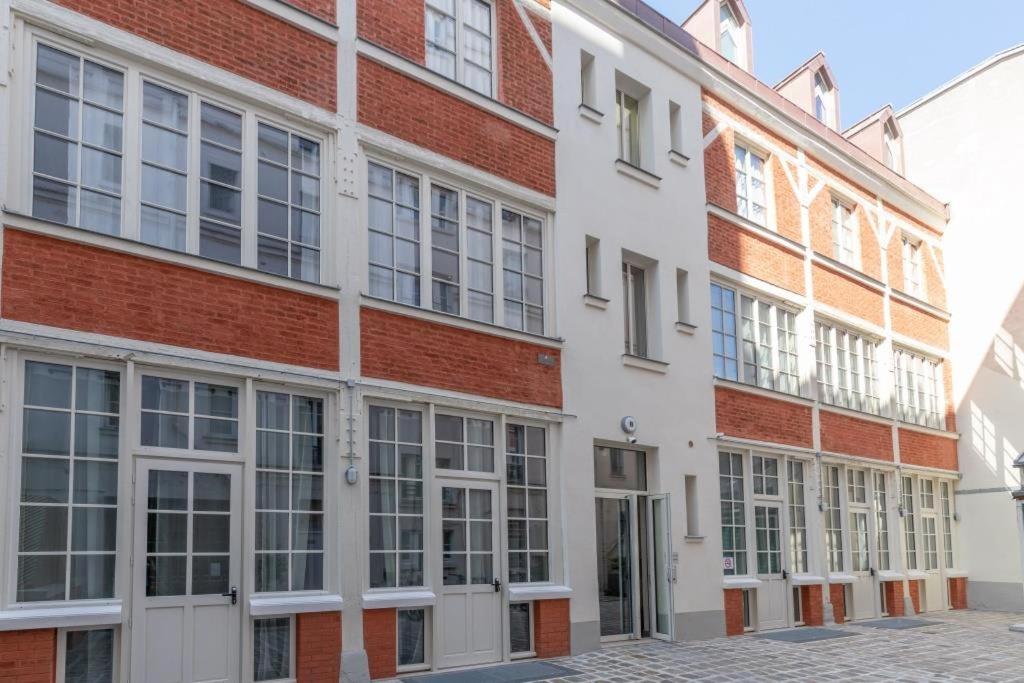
x=186, y=569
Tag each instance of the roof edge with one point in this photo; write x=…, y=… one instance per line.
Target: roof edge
x=962, y=77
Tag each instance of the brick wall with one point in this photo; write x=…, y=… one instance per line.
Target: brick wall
x=417, y=113
x=837, y=596
x=719, y=167
x=233, y=36
x=811, y=606
x=380, y=638
x=841, y=433
x=64, y=284
x=28, y=656
x=322, y=9
x=551, y=628
x=927, y=450
x=754, y=255
x=733, y=611
x=916, y=324
x=402, y=348
x=958, y=592
x=751, y=416
x=848, y=295
x=914, y=588
x=787, y=206
x=398, y=25
x=318, y=647
x=894, y=597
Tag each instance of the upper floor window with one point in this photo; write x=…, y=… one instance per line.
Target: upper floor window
x=918, y=389
x=634, y=298
x=821, y=100
x=847, y=369
x=731, y=35
x=892, y=151
x=913, y=278
x=194, y=159
x=844, y=235
x=751, y=198
x=458, y=35
x=627, y=117
x=767, y=333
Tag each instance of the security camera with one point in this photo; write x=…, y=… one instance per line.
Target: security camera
x=631, y=440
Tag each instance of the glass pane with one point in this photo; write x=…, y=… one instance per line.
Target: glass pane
x=307, y=492
x=95, y=483
x=519, y=627
x=165, y=576
x=43, y=529
x=44, y=480
x=481, y=569
x=271, y=572
x=212, y=492
x=211, y=533
x=221, y=126
x=220, y=242
x=216, y=435
x=618, y=468
x=382, y=570
x=163, y=228
x=165, y=431
x=92, y=577
x=307, y=532
x=210, y=574
x=46, y=432
x=41, y=577
x=89, y=656
x=308, y=453
x=56, y=114
x=454, y=569
x=272, y=491
x=53, y=201
x=94, y=529
x=272, y=531
x=57, y=70
x=55, y=157
x=166, y=532
x=271, y=645
x=307, y=571
x=410, y=569
x=168, y=490
x=97, y=390
x=411, y=637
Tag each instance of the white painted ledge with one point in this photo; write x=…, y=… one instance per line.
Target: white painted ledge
x=590, y=114
x=595, y=301
x=887, y=575
x=60, y=617
x=524, y=593
x=956, y=573
x=807, y=580
x=649, y=364
x=636, y=173
x=1017, y=628
x=740, y=582
x=398, y=599
x=685, y=328
x=677, y=157
x=293, y=604
x=916, y=575
x=842, y=578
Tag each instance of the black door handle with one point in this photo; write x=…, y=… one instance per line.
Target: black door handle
x=785, y=575
x=233, y=594
x=497, y=585
x=872, y=570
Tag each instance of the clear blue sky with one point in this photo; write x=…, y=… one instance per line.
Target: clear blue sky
x=881, y=51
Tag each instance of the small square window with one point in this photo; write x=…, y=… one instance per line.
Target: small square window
x=272, y=648
x=520, y=631
x=89, y=656
x=412, y=637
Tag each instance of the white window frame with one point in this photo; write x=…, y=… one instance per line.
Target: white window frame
x=532, y=652
x=428, y=640
x=946, y=499
x=891, y=141
x=822, y=108
x=460, y=42
x=637, y=327
x=733, y=26
x=913, y=267
x=920, y=400
x=742, y=166
x=62, y=640
x=799, y=539
x=425, y=248
x=291, y=645
x=910, y=515
x=746, y=506
x=625, y=111
x=135, y=71
x=835, y=557
x=837, y=351
x=845, y=233
x=880, y=504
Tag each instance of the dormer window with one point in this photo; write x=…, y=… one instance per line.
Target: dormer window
x=731, y=40
x=821, y=93
x=891, y=151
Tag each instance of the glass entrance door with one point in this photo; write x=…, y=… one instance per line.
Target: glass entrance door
x=773, y=594
x=661, y=569
x=615, y=579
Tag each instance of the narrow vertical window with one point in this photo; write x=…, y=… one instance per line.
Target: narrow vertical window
x=833, y=518
x=480, y=259
x=675, y=127
x=928, y=535
x=627, y=113
x=288, y=207
x=164, y=167
x=751, y=198
x=913, y=279
x=734, y=520
x=444, y=241
x=909, y=522
x=593, y=260
x=520, y=627
x=523, y=257
x=797, y=517
x=394, y=222
x=682, y=296
x=527, y=475
x=723, y=331
x=289, y=492
x=588, y=95
x=412, y=637
x=78, y=142
x=634, y=297
x=947, y=523
x=220, y=184
x=729, y=44
x=844, y=235
x=89, y=656
x=272, y=648
x=396, y=497
x=821, y=91
x=882, y=520
x=67, y=532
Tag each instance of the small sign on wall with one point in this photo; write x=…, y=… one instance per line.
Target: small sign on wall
x=728, y=563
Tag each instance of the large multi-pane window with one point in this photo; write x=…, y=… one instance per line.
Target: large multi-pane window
x=751, y=196
x=289, y=492
x=67, y=531
x=881, y=520
x=734, y=515
x=918, y=392
x=178, y=413
x=847, y=369
x=833, y=518
x=78, y=141
x=523, y=258
x=909, y=522
x=627, y=119
x=913, y=277
x=844, y=235
x=394, y=224
x=527, y=476
x=947, y=523
x=288, y=211
x=797, y=516
x=768, y=337
x=458, y=36
x=396, y=497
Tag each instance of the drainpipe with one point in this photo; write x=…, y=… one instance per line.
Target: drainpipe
x=351, y=472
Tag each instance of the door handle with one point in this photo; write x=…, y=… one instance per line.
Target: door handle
x=872, y=570
x=233, y=594
x=497, y=585
x=785, y=575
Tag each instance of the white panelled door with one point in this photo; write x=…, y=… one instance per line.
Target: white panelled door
x=773, y=593
x=186, y=572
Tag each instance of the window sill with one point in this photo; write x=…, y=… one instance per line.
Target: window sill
x=918, y=302
x=649, y=364
x=851, y=271
x=678, y=158
x=527, y=592
x=740, y=582
x=637, y=173
x=596, y=301
x=854, y=413
x=590, y=114
x=841, y=577
x=694, y=539
x=760, y=391
x=806, y=580
x=925, y=429
x=63, y=616
x=272, y=605
x=955, y=573
x=889, y=575
x=686, y=328
x=400, y=598
x=917, y=574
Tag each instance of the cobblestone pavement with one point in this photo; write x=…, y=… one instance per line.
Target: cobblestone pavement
x=962, y=646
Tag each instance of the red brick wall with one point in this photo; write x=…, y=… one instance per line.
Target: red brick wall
x=733, y=611
x=322, y=9
x=751, y=416
x=848, y=295
x=28, y=656
x=811, y=606
x=935, y=290
x=958, y=592
x=318, y=647
x=233, y=36
x=927, y=450
x=870, y=252
x=380, y=638
x=63, y=284
x=551, y=628
x=719, y=167
x=754, y=255
x=524, y=79
x=430, y=118
x=914, y=586
x=406, y=349
x=398, y=25
x=916, y=324
x=787, y=205
x=894, y=597
x=841, y=433
x=837, y=596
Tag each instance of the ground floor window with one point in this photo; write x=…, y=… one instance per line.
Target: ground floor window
x=89, y=656
x=272, y=648
x=412, y=637
x=520, y=628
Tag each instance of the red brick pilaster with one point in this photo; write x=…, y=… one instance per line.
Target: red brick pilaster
x=958, y=592
x=733, y=611
x=837, y=596
x=318, y=647
x=914, y=586
x=894, y=597
x=551, y=628
x=28, y=656
x=811, y=605
x=380, y=638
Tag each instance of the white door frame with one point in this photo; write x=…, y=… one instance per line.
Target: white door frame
x=668, y=568
x=634, y=562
